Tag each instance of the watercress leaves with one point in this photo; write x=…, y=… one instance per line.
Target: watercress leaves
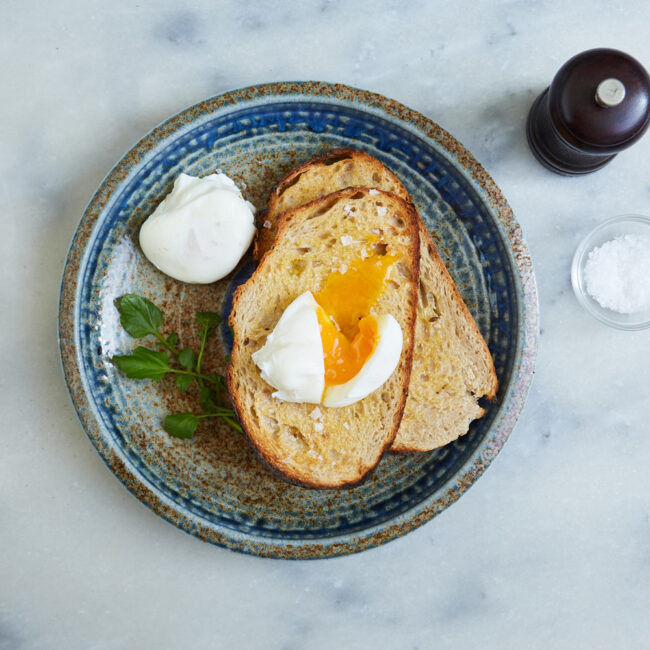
x=184, y=382
x=207, y=402
x=139, y=316
x=187, y=358
x=143, y=363
x=208, y=319
x=181, y=425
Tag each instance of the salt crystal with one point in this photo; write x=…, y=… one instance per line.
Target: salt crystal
x=373, y=191
x=343, y=268
x=316, y=414
x=617, y=274
x=346, y=425
x=266, y=224
x=346, y=240
x=381, y=210
x=347, y=209
x=318, y=427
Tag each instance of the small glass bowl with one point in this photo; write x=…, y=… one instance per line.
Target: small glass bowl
x=627, y=224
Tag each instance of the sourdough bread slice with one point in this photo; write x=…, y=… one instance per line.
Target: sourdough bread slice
x=320, y=446
x=336, y=170
x=452, y=367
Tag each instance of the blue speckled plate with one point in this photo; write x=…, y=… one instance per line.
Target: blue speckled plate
x=213, y=486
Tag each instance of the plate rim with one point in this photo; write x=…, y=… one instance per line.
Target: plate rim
x=345, y=543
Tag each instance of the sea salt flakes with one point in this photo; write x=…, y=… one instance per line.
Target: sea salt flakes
x=617, y=274
x=267, y=225
x=381, y=210
x=346, y=240
x=373, y=191
x=316, y=414
x=318, y=427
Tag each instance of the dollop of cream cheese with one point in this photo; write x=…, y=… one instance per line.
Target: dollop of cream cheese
x=200, y=231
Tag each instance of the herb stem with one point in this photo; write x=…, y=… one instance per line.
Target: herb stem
x=198, y=375
x=204, y=338
x=225, y=414
x=166, y=343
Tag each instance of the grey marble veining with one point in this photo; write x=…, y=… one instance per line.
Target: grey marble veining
x=550, y=549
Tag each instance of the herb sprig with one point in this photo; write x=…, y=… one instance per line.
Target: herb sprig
x=141, y=318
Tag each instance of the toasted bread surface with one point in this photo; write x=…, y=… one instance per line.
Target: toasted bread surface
x=336, y=170
x=325, y=447
x=452, y=366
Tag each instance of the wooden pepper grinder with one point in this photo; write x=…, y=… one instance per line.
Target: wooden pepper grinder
x=597, y=105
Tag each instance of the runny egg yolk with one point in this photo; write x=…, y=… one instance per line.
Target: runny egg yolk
x=348, y=330
x=344, y=358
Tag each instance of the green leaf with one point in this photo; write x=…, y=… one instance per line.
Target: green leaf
x=207, y=401
x=184, y=382
x=172, y=339
x=232, y=332
x=208, y=319
x=181, y=425
x=187, y=358
x=143, y=363
x=227, y=358
x=139, y=316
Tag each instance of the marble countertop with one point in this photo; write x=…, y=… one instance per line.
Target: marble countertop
x=551, y=547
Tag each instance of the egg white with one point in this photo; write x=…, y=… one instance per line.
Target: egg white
x=291, y=359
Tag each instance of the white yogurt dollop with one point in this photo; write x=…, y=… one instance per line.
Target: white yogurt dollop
x=201, y=229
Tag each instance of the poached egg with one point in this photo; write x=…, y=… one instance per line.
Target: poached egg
x=327, y=348
x=201, y=229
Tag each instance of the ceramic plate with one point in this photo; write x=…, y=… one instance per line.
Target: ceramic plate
x=213, y=486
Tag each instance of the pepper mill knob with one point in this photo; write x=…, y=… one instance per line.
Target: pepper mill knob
x=597, y=105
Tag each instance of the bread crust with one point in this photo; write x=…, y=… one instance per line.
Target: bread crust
x=264, y=451
x=266, y=236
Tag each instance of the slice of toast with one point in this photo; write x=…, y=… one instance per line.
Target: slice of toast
x=325, y=447
x=452, y=367
x=340, y=168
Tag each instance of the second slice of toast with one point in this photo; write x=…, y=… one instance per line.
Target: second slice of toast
x=452, y=366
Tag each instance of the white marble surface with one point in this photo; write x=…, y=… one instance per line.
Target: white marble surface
x=550, y=549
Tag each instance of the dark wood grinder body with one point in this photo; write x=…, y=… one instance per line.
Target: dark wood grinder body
x=597, y=105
